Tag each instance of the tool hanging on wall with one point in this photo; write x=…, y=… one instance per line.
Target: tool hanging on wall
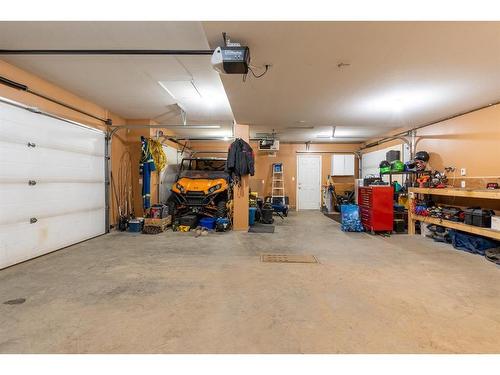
x=146, y=166
x=159, y=157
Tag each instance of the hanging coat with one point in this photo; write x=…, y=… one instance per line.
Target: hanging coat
x=240, y=159
x=146, y=166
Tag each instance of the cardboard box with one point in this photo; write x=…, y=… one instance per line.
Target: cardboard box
x=495, y=223
x=158, y=222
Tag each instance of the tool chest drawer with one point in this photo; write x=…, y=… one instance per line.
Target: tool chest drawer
x=376, y=207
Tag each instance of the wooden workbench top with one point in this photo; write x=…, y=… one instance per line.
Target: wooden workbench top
x=454, y=192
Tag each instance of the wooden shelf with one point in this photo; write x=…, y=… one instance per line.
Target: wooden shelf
x=450, y=192
x=459, y=226
x=453, y=192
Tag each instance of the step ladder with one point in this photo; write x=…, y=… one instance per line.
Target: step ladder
x=278, y=184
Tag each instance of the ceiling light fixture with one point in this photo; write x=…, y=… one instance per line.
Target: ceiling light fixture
x=176, y=126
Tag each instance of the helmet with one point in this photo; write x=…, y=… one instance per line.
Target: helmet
x=385, y=166
x=397, y=166
x=422, y=155
x=410, y=166
x=420, y=165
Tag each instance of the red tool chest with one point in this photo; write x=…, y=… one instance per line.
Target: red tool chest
x=376, y=207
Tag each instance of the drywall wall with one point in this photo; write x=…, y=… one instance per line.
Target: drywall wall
x=287, y=155
x=470, y=141
x=261, y=182
x=119, y=144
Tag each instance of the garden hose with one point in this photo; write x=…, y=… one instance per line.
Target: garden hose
x=159, y=157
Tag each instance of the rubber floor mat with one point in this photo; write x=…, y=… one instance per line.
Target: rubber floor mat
x=288, y=258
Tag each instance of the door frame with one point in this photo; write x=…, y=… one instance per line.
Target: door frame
x=318, y=156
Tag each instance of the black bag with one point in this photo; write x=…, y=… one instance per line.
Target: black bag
x=493, y=255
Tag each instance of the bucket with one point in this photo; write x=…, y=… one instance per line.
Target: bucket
x=207, y=222
x=135, y=225
x=251, y=215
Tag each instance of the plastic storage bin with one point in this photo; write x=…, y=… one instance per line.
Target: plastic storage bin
x=207, y=222
x=251, y=215
x=135, y=225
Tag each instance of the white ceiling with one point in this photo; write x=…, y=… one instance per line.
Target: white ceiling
x=126, y=85
x=401, y=74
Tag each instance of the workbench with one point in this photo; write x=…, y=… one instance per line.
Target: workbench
x=451, y=192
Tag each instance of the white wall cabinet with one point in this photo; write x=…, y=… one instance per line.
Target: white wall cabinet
x=343, y=165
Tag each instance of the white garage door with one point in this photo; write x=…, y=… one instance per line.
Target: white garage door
x=52, y=184
x=370, y=161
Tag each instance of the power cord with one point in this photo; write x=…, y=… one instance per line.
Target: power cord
x=260, y=75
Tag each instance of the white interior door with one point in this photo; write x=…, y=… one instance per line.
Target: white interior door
x=308, y=182
x=52, y=184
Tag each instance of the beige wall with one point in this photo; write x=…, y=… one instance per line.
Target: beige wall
x=287, y=155
x=470, y=141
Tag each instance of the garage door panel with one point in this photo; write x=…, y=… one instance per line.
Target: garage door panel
x=41, y=129
x=19, y=162
x=67, y=201
x=47, y=199
x=23, y=241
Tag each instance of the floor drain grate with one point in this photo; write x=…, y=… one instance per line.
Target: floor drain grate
x=16, y=301
x=286, y=258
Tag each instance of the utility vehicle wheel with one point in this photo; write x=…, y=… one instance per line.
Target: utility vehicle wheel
x=221, y=209
x=171, y=208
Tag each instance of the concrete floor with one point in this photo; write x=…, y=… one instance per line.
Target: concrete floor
x=173, y=293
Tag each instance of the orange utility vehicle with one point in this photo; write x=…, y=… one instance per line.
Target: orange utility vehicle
x=202, y=187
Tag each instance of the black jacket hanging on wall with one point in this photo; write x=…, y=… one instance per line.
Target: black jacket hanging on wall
x=240, y=159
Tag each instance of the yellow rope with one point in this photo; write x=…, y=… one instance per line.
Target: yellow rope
x=158, y=154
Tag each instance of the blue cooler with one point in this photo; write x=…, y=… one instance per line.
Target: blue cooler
x=135, y=225
x=251, y=215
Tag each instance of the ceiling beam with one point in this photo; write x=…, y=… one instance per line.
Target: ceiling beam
x=106, y=52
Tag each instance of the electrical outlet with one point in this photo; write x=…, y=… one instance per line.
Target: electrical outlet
x=463, y=172
x=462, y=184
